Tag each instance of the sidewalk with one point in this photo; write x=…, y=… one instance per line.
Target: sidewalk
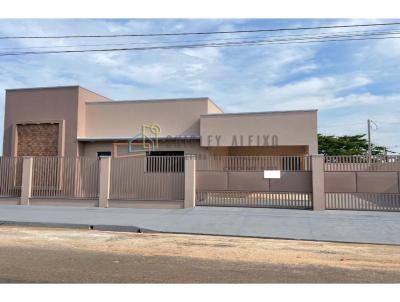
x=343, y=226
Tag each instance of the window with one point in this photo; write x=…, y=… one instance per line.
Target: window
x=165, y=161
x=103, y=153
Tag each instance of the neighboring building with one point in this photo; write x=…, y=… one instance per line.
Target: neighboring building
x=73, y=121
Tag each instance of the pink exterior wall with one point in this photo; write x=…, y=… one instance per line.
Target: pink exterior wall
x=124, y=119
x=85, y=96
x=291, y=128
x=64, y=105
x=57, y=104
x=86, y=117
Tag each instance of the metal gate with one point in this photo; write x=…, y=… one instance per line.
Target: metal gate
x=362, y=183
x=147, y=178
x=239, y=181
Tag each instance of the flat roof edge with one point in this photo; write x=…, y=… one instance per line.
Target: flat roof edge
x=152, y=100
x=255, y=113
x=38, y=88
x=57, y=87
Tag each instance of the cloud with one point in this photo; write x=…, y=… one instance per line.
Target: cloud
x=313, y=92
x=352, y=80
x=388, y=48
x=204, y=54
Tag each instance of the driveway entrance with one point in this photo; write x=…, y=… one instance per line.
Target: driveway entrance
x=239, y=181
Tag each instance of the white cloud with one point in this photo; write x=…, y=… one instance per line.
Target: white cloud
x=275, y=77
x=206, y=54
x=320, y=93
x=388, y=48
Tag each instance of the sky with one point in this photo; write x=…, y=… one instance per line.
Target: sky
x=348, y=82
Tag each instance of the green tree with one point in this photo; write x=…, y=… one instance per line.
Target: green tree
x=347, y=145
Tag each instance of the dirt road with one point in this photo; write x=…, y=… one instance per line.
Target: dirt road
x=79, y=256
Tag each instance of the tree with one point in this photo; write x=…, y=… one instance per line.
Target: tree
x=347, y=145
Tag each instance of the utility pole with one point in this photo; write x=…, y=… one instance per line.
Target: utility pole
x=370, y=124
x=369, y=140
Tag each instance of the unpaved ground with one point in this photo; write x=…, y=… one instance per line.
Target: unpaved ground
x=30, y=254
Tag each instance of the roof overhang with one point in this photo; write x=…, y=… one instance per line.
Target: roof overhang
x=165, y=138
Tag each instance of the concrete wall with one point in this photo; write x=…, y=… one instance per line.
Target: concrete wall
x=62, y=105
x=124, y=119
x=292, y=128
x=85, y=96
x=41, y=106
x=84, y=116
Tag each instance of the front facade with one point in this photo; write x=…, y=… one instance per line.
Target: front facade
x=70, y=146
x=74, y=122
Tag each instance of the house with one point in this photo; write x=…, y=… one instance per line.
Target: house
x=72, y=121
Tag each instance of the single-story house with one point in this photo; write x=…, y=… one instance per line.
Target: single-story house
x=72, y=121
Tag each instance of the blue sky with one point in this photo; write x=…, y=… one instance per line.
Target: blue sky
x=348, y=82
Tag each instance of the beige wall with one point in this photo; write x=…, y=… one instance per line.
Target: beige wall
x=63, y=105
x=292, y=128
x=91, y=148
x=86, y=96
x=85, y=115
x=123, y=119
x=41, y=106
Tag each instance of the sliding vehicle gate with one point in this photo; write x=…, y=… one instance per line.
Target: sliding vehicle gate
x=239, y=181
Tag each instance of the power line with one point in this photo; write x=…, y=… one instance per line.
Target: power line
x=201, y=33
x=306, y=36
x=227, y=44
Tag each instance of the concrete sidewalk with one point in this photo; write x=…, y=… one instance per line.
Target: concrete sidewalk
x=343, y=226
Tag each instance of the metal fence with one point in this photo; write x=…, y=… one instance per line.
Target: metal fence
x=255, y=199
x=363, y=201
x=363, y=183
x=254, y=163
x=10, y=176
x=61, y=177
x=362, y=163
x=148, y=178
x=350, y=182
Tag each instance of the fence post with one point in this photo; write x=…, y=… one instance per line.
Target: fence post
x=318, y=183
x=190, y=182
x=26, y=186
x=104, y=181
